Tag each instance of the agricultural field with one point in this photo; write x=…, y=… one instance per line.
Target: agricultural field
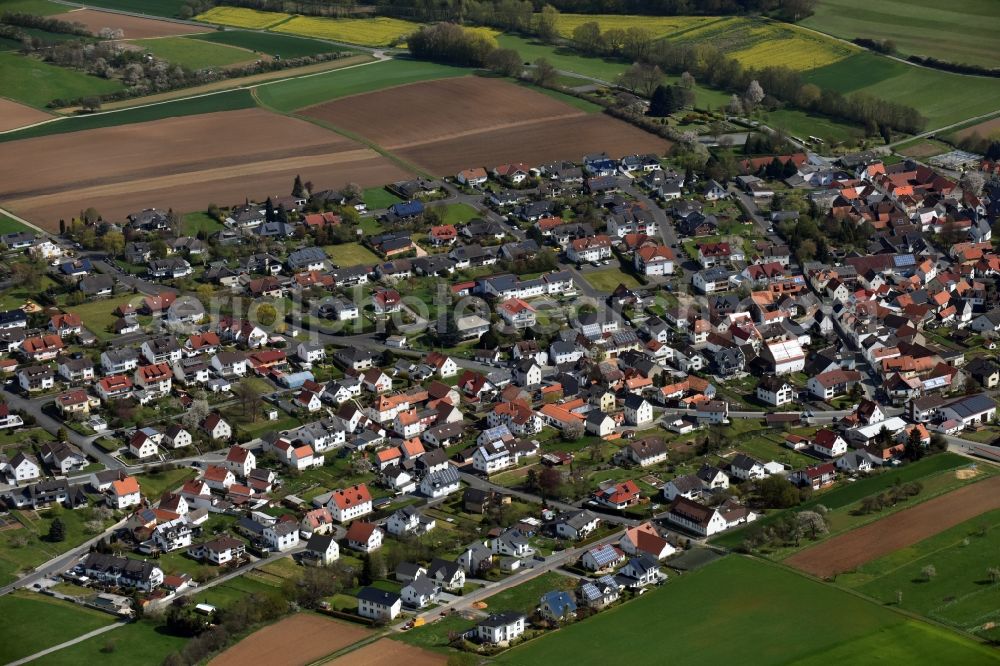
x=762, y=43
x=385, y=652
x=164, y=8
x=195, y=54
x=452, y=123
x=298, y=640
x=134, y=27
x=923, y=148
x=351, y=254
x=307, y=91
x=225, y=101
x=37, y=83
x=24, y=612
x=660, y=26
x=152, y=165
x=904, y=528
x=963, y=31
x=379, y=31
x=37, y=7
x=987, y=129
x=792, y=620
x=239, y=17
x=960, y=593
x=283, y=46
x=802, y=124
x=944, y=98
x=14, y=115
x=142, y=642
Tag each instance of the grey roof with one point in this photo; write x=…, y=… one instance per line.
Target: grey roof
x=502, y=619
x=376, y=596
x=972, y=405
x=423, y=585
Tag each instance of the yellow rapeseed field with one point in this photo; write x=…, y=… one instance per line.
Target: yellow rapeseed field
x=378, y=31
x=238, y=17
x=660, y=26
x=762, y=43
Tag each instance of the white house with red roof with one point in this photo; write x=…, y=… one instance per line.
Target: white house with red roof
x=308, y=401
x=363, y=536
x=125, y=493
x=66, y=323
x=645, y=539
x=218, y=477
x=141, y=445
x=828, y=443
x=156, y=378
x=444, y=365
x=216, y=427
x=240, y=461
x=295, y=454
x=387, y=301
x=619, y=496
x=347, y=504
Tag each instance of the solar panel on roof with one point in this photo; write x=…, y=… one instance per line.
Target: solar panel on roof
x=904, y=260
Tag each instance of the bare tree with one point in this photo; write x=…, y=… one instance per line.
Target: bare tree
x=929, y=572
x=754, y=95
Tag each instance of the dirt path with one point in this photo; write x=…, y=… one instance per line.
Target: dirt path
x=903, y=528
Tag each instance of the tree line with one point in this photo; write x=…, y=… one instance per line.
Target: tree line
x=332, y=8
x=444, y=10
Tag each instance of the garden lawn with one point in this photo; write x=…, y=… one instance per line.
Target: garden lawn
x=193, y=53
x=791, y=618
x=194, y=223
x=141, y=642
x=154, y=484
x=457, y=213
x=307, y=91
x=960, y=593
x=234, y=589
x=229, y=100
x=525, y=597
x=351, y=254
x=284, y=46
x=15, y=557
x=98, y=315
x=33, y=622
x=961, y=31
x=37, y=83
x=15, y=297
x=607, y=279
x=377, y=198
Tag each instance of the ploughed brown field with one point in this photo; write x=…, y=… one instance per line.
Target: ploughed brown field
x=181, y=163
x=294, y=641
x=903, y=528
x=14, y=115
x=986, y=129
x=452, y=124
x=387, y=652
x=134, y=26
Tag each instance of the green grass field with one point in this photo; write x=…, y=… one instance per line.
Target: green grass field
x=844, y=495
x=944, y=98
x=25, y=614
x=961, y=593
x=309, y=90
x=802, y=124
x=378, y=197
x=194, y=223
x=963, y=31
x=563, y=58
x=524, y=597
x=142, y=642
x=37, y=83
x=739, y=610
x=154, y=484
x=230, y=100
x=166, y=8
x=457, y=213
x=9, y=225
x=194, y=53
x=272, y=44
x=36, y=7
x=98, y=315
x=351, y=254
x=608, y=279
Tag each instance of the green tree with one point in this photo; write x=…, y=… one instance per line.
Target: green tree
x=544, y=73
x=665, y=101
x=547, y=23
x=57, y=531
x=505, y=61
x=587, y=37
